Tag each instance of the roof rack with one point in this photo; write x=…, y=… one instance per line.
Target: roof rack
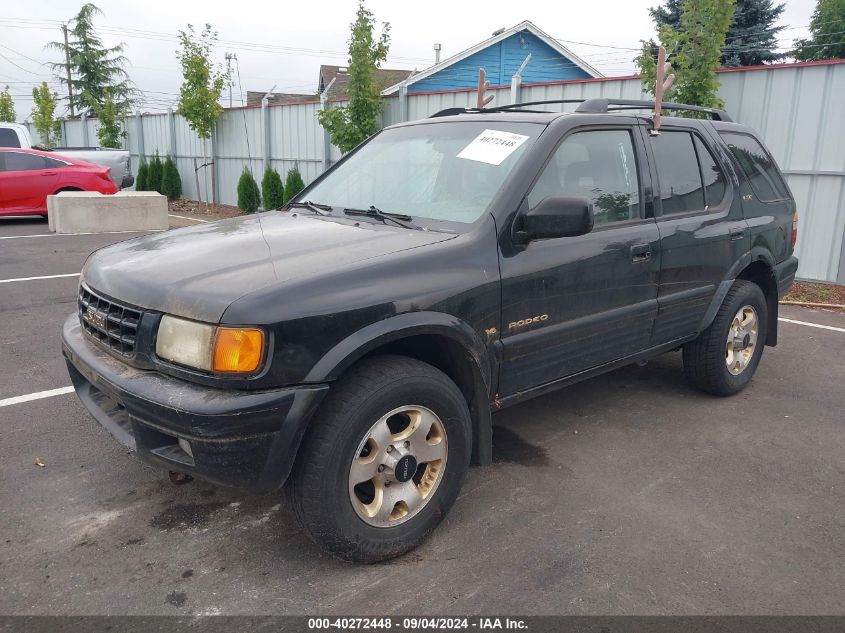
x=592, y=106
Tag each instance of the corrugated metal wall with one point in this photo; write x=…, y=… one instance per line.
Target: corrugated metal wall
x=799, y=110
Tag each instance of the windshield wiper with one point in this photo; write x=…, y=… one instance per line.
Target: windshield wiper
x=374, y=212
x=316, y=207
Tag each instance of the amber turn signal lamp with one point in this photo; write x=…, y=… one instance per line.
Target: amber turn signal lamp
x=238, y=350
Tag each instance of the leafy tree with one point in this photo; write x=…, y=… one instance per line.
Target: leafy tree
x=696, y=49
x=110, y=115
x=7, y=107
x=171, y=182
x=352, y=124
x=96, y=71
x=202, y=83
x=248, y=195
x=44, y=115
x=826, y=39
x=142, y=178
x=155, y=173
x=293, y=183
x=752, y=36
x=272, y=190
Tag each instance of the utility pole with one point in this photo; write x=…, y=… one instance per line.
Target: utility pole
x=67, y=68
x=229, y=58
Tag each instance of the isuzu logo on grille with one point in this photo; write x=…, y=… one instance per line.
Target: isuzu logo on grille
x=97, y=319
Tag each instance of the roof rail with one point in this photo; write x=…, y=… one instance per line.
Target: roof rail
x=609, y=105
x=502, y=108
x=593, y=106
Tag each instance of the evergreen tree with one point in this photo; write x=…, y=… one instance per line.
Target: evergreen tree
x=7, y=107
x=752, y=36
x=97, y=72
x=827, y=40
x=155, y=173
x=142, y=178
x=293, y=183
x=697, y=44
x=272, y=190
x=249, y=197
x=44, y=115
x=171, y=182
x=350, y=125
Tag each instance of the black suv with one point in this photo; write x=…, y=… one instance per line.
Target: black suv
x=355, y=344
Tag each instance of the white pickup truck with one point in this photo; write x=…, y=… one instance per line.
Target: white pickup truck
x=117, y=160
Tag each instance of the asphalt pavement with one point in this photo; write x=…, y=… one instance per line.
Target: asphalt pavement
x=631, y=493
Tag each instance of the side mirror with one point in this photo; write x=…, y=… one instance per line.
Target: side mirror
x=556, y=216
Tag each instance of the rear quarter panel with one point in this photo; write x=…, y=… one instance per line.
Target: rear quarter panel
x=769, y=222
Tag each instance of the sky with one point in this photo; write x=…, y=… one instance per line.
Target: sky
x=282, y=44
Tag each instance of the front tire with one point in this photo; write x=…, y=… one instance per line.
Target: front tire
x=383, y=461
x=724, y=357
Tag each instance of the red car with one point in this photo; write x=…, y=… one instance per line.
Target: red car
x=28, y=176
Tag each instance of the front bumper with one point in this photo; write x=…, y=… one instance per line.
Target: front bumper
x=240, y=438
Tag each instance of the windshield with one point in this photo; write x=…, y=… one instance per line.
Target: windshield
x=440, y=171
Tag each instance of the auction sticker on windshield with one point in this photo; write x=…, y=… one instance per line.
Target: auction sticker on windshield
x=492, y=146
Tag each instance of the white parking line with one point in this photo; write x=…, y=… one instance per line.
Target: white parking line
x=38, y=395
x=818, y=325
x=19, y=237
x=8, y=281
x=184, y=217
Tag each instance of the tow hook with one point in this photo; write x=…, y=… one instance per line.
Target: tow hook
x=179, y=479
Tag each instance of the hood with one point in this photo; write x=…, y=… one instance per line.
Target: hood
x=198, y=271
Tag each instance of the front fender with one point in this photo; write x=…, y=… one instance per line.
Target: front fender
x=354, y=347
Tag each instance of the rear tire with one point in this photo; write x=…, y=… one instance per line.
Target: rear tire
x=724, y=357
x=353, y=489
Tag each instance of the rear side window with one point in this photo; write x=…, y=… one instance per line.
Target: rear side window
x=599, y=165
x=681, y=188
x=8, y=138
x=711, y=173
x=52, y=163
x=758, y=166
x=18, y=161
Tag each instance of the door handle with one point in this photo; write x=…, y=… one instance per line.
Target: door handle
x=48, y=173
x=640, y=253
x=737, y=234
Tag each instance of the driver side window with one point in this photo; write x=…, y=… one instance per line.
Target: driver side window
x=599, y=165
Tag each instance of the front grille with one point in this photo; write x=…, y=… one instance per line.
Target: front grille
x=112, y=324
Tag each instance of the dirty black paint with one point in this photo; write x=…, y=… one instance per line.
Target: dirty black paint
x=176, y=598
x=510, y=448
x=187, y=573
x=185, y=515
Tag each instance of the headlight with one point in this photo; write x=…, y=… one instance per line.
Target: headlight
x=210, y=348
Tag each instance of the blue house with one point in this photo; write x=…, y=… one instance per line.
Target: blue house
x=501, y=56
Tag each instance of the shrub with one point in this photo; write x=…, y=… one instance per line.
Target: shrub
x=142, y=178
x=171, y=183
x=248, y=195
x=294, y=183
x=156, y=171
x=272, y=190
